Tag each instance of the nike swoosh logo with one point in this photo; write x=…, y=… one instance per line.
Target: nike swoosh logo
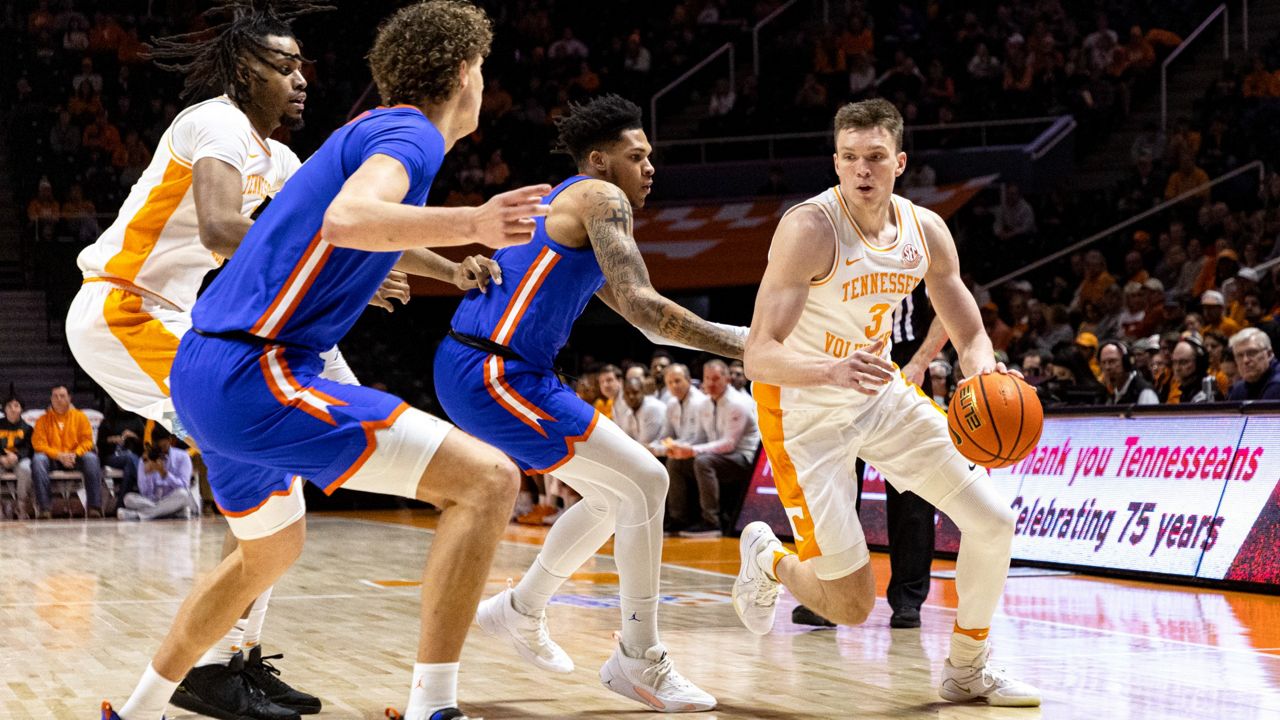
x=254, y=157
x=848, y=261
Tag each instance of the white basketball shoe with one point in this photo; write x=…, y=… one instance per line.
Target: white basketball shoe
x=528, y=633
x=980, y=681
x=654, y=681
x=755, y=594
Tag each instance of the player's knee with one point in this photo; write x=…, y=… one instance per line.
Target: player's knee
x=852, y=609
x=497, y=483
x=653, y=480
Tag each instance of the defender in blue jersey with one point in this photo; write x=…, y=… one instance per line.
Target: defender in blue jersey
x=494, y=377
x=247, y=381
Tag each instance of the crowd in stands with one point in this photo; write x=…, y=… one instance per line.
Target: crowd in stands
x=153, y=474
x=945, y=62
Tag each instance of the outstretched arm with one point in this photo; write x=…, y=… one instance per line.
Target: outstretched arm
x=803, y=249
x=475, y=271
x=607, y=217
x=368, y=214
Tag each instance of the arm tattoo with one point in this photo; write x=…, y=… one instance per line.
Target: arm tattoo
x=609, y=225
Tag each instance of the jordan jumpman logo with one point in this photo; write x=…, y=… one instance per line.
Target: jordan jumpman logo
x=633, y=618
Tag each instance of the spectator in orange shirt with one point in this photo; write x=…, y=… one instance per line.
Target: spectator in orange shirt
x=63, y=440
x=1213, y=310
x=1096, y=280
x=44, y=207
x=1260, y=82
x=857, y=38
x=1188, y=176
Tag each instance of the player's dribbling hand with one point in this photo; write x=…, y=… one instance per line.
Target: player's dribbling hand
x=507, y=219
x=395, y=286
x=475, y=272
x=864, y=370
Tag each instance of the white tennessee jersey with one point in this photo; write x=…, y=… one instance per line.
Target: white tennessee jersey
x=154, y=243
x=851, y=307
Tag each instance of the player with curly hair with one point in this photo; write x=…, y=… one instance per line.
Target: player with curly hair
x=305, y=270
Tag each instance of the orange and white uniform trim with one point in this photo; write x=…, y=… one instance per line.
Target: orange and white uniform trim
x=154, y=243
x=494, y=366
x=143, y=273
x=814, y=435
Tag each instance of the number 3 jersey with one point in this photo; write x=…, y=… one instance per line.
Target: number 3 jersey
x=851, y=307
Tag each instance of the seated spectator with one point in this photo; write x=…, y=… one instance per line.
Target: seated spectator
x=1034, y=364
x=1125, y=385
x=862, y=76
x=609, y=384
x=15, y=452
x=684, y=407
x=80, y=215
x=1133, y=316
x=658, y=364
x=738, y=375
x=64, y=137
x=1213, y=315
x=1014, y=218
x=44, y=209
x=999, y=332
x=722, y=463
x=640, y=415
x=1192, y=380
x=1071, y=381
x=63, y=440
x=941, y=382
x=1188, y=176
x=1259, y=369
x=164, y=483
x=1096, y=280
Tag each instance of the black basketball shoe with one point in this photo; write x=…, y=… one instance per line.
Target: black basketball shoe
x=224, y=692
x=266, y=677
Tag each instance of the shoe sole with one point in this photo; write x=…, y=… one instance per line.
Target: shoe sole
x=744, y=558
x=187, y=701
x=618, y=683
x=495, y=627
x=964, y=698
x=308, y=709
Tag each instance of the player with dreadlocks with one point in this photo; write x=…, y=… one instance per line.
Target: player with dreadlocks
x=494, y=376
x=213, y=171
x=247, y=381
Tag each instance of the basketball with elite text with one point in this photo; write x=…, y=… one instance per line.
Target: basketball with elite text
x=995, y=419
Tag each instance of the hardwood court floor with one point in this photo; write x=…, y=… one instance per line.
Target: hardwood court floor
x=83, y=604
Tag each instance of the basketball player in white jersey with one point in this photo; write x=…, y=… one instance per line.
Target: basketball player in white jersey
x=212, y=169
x=818, y=353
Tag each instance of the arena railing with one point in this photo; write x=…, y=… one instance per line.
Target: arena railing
x=1220, y=11
x=1256, y=165
x=653, y=102
x=982, y=131
x=765, y=21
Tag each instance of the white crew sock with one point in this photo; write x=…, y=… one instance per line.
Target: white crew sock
x=253, y=623
x=226, y=648
x=435, y=686
x=149, y=698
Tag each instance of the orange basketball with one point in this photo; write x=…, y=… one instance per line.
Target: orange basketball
x=995, y=419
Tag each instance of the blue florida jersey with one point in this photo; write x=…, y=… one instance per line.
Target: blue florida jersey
x=533, y=316
x=286, y=283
